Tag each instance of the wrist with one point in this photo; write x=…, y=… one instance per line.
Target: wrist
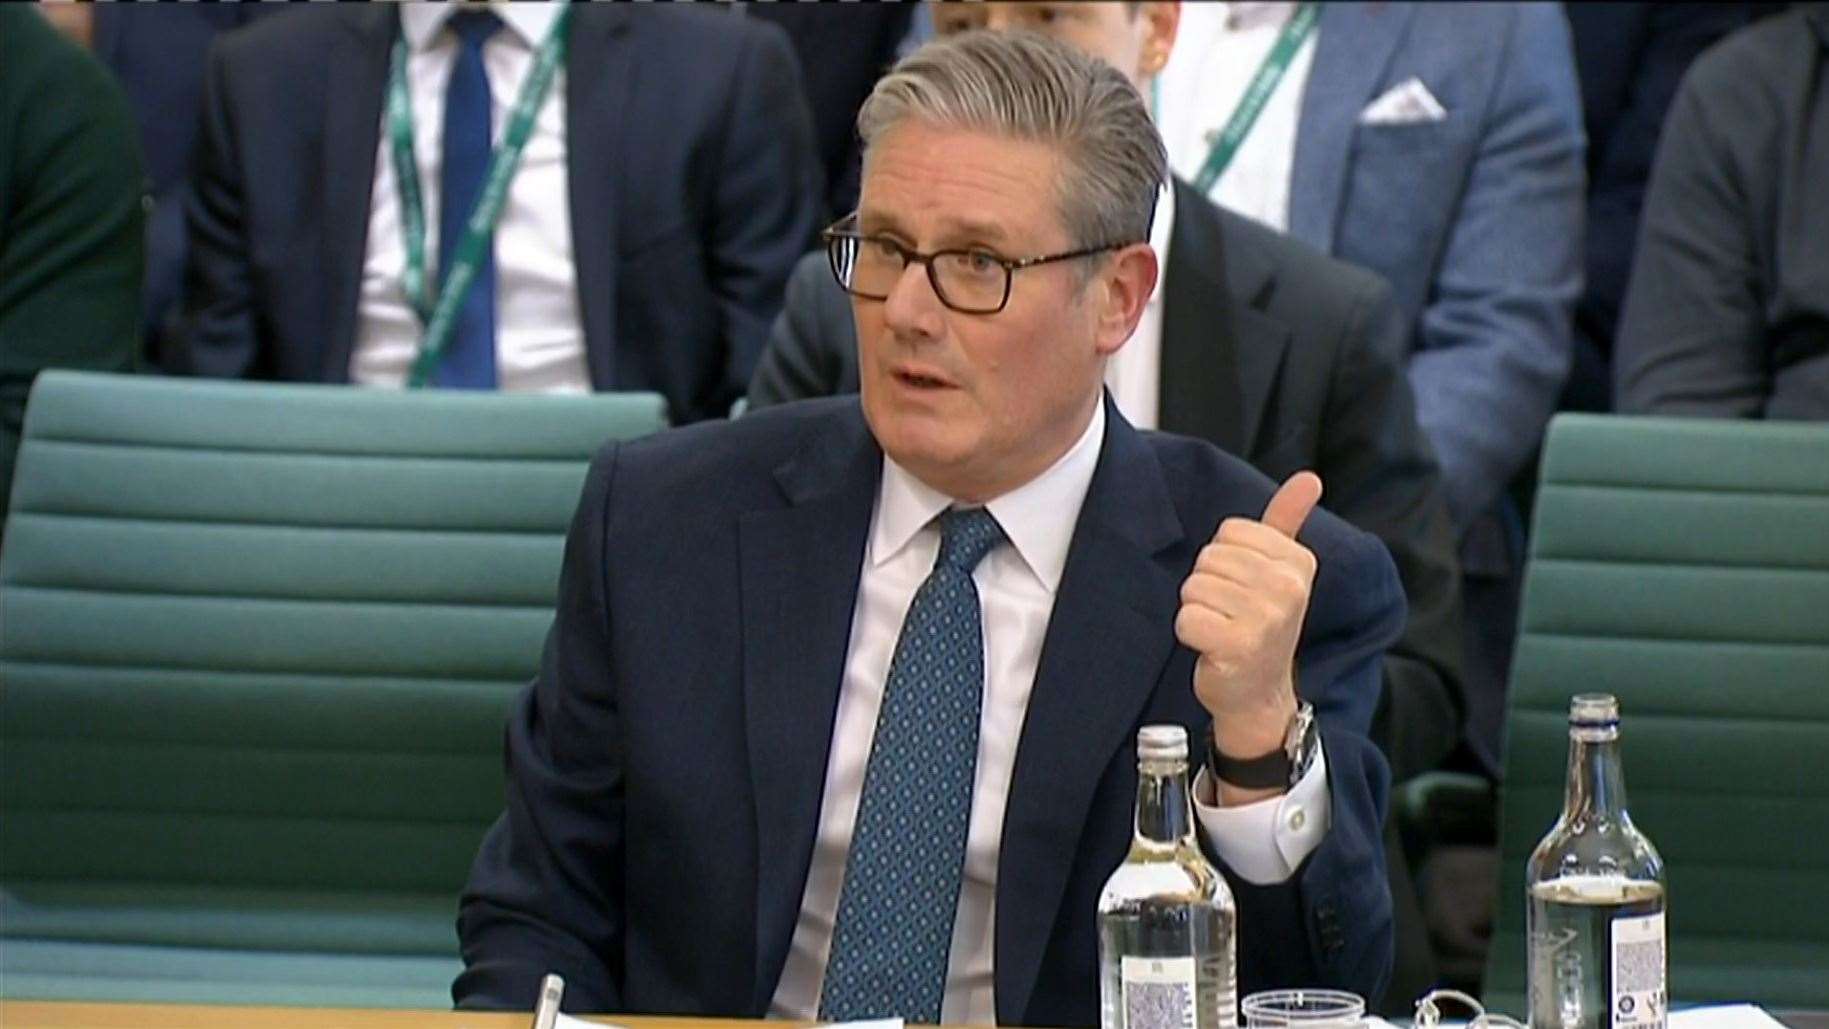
x=1264, y=772
x=1256, y=732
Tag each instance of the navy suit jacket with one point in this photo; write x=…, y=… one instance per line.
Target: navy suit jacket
x=1287, y=358
x=666, y=766
x=158, y=54
x=691, y=195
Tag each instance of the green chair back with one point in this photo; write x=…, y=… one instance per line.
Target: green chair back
x=1683, y=565
x=256, y=647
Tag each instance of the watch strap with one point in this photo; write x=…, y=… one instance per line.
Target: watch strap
x=1278, y=769
x=1259, y=773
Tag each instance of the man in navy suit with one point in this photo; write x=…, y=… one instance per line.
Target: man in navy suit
x=648, y=228
x=836, y=716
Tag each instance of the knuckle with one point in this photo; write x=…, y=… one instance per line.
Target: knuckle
x=1187, y=626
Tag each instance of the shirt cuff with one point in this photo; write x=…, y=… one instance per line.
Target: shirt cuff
x=1266, y=841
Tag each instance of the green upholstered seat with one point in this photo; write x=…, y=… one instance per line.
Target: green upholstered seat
x=1683, y=565
x=256, y=646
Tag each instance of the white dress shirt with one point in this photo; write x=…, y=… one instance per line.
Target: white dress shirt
x=539, y=337
x=1134, y=373
x=1217, y=51
x=1016, y=583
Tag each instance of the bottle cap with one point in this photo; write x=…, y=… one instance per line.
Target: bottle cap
x=1594, y=710
x=1162, y=743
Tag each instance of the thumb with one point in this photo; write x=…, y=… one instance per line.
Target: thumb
x=1293, y=501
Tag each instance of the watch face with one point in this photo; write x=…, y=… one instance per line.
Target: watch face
x=1300, y=747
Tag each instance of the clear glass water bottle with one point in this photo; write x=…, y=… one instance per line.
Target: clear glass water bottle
x=1595, y=889
x=1167, y=923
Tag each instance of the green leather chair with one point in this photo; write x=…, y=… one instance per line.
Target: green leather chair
x=256, y=646
x=1683, y=565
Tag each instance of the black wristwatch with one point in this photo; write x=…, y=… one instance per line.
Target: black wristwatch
x=1281, y=768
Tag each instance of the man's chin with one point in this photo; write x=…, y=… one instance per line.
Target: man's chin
x=925, y=444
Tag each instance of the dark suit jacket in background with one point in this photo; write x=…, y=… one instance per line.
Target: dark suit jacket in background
x=692, y=187
x=1630, y=57
x=843, y=50
x=158, y=53
x=1728, y=312
x=1286, y=358
x=667, y=765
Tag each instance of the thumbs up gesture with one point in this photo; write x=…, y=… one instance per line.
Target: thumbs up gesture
x=1241, y=611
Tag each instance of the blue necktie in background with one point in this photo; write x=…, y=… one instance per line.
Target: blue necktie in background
x=894, y=928
x=469, y=360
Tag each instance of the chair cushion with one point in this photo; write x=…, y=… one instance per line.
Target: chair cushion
x=259, y=644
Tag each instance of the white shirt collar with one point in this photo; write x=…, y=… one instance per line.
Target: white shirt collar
x=1204, y=22
x=1160, y=231
x=1037, y=517
x=421, y=22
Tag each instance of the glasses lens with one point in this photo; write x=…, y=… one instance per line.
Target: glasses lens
x=865, y=266
x=972, y=281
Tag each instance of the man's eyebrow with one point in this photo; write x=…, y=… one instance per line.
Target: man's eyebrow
x=872, y=222
x=952, y=232
x=970, y=229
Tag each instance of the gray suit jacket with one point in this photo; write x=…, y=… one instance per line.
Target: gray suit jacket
x=1475, y=220
x=1728, y=311
x=1283, y=357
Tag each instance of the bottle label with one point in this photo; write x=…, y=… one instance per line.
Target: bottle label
x=1638, y=972
x=1158, y=992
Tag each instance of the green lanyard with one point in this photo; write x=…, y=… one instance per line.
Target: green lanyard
x=1295, y=32
x=439, y=316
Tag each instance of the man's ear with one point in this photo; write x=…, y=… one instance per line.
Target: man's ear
x=1123, y=290
x=1161, y=21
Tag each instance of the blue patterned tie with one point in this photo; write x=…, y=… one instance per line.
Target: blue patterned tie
x=895, y=914
x=469, y=361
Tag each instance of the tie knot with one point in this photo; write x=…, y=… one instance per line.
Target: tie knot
x=966, y=536
x=475, y=27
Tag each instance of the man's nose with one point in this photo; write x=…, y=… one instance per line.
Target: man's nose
x=913, y=308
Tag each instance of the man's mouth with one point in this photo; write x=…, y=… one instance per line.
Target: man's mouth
x=919, y=379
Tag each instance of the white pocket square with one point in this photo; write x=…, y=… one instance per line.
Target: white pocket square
x=1406, y=103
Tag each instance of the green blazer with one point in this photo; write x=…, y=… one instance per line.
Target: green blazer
x=71, y=221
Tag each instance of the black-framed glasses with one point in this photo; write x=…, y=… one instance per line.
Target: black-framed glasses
x=971, y=281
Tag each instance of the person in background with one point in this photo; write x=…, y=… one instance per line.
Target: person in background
x=158, y=53
x=843, y=50
x=1727, y=314
x=1439, y=145
x=71, y=219
x=1630, y=57
x=836, y=716
x=644, y=235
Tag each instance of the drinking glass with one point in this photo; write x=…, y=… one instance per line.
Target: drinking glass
x=1307, y=1009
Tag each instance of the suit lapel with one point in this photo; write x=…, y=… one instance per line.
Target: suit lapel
x=1199, y=391
x=1111, y=632
x=600, y=87
x=1353, y=47
x=1220, y=352
x=356, y=87
x=1259, y=339
x=799, y=568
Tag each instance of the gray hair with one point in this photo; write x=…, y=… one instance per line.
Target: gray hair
x=1026, y=86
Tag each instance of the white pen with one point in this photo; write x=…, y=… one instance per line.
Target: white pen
x=546, y=1012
